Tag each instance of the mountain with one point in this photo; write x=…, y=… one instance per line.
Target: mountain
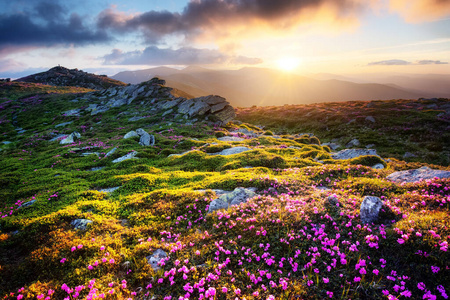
x=60, y=76
x=261, y=86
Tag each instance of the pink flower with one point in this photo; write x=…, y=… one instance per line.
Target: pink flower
x=63, y=260
x=375, y=272
x=326, y=280
x=111, y=261
x=421, y=286
x=90, y=267
x=435, y=269
x=197, y=252
x=224, y=289
x=357, y=279
x=400, y=241
x=80, y=246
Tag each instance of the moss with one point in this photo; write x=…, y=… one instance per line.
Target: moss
x=368, y=160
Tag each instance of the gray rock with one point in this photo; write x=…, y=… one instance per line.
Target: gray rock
x=117, y=102
x=370, y=146
x=130, y=134
x=378, y=166
x=96, y=168
x=369, y=209
x=63, y=124
x=167, y=112
x=353, y=143
x=80, y=224
x=198, y=109
x=212, y=99
x=218, y=107
x=333, y=146
x=155, y=258
x=409, y=155
x=57, y=137
x=169, y=104
x=130, y=155
x=417, y=175
x=110, y=152
x=146, y=139
x=231, y=151
x=6, y=142
x=109, y=190
x=225, y=115
x=133, y=119
x=238, y=196
x=352, y=153
x=185, y=106
x=230, y=139
x=29, y=203
x=72, y=112
x=332, y=200
x=370, y=119
x=70, y=138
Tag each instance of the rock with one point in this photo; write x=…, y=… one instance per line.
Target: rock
x=378, y=166
x=353, y=143
x=370, y=119
x=370, y=146
x=80, y=224
x=29, y=203
x=212, y=99
x=169, y=104
x=225, y=115
x=130, y=155
x=409, y=155
x=110, y=152
x=6, y=142
x=198, y=109
x=155, y=258
x=167, y=112
x=218, y=107
x=238, y=196
x=417, y=175
x=146, y=139
x=133, y=119
x=185, y=106
x=117, y=102
x=370, y=208
x=73, y=112
x=130, y=134
x=230, y=139
x=57, y=137
x=332, y=200
x=352, y=153
x=333, y=146
x=231, y=151
x=109, y=190
x=96, y=168
x=70, y=138
x=63, y=124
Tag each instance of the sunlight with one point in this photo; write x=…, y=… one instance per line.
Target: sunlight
x=288, y=64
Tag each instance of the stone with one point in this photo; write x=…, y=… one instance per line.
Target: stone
x=167, y=112
x=110, y=152
x=145, y=138
x=117, y=102
x=369, y=209
x=212, y=99
x=169, y=104
x=370, y=119
x=73, y=112
x=218, y=107
x=236, y=197
x=130, y=155
x=225, y=115
x=29, y=203
x=185, y=106
x=155, y=258
x=333, y=146
x=230, y=139
x=70, y=139
x=133, y=119
x=332, y=200
x=59, y=136
x=378, y=167
x=417, y=175
x=409, y=155
x=353, y=143
x=63, y=124
x=81, y=224
x=109, y=190
x=130, y=134
x=198, y=109
x=352, y=153
x=231, y=151
x=96, y=168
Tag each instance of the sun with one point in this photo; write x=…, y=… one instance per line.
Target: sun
x=288, y=64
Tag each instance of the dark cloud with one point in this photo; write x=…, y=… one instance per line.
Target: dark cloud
x=183, y=56
x=216, y=16
x=431, y=62
x=391, y=62
x=50, y=25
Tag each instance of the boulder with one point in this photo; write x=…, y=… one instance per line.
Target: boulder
x=417, y=175
x=185, y=106
x=378, y=166
x=231, y=151
x=130, y=155
x=353, y=143
x=352, y=153
x=63, y=124
x=146, y=139
x=212, y=99
x=109, y=190
x=236, y=197
x=70, y=138
x=370, y=119
x=169, y=104
x=369, y=209
x=80, y=224
x=110, y=152
x=198, y=109
x=29, y=203
x=230, y=139
x=155, y=258
x=333, y=146
x=218, y=107
x=130, y=134
x=225, y=115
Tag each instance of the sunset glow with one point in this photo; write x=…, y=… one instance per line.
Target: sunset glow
x=288, y=64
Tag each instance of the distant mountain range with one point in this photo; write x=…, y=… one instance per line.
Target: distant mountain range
x=259, y=86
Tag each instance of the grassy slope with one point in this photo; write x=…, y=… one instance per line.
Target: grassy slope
x=288, y=243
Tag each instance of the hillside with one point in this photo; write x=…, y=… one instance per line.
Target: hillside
x=135, y=193
x=243, y=87
x=60, y=76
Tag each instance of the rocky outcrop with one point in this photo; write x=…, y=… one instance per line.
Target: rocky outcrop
x=417, y=175
x=238, y=196
x=370, y=208
x=352, y=153
x=61, y=76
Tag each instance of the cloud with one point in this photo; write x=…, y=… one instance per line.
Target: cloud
x=223, y=19
x=415, y=11
x=431, y=62
x=391, y=62
x=184, y=56
x=49, y=24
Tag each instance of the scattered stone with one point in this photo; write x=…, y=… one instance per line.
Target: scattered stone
x=238, y=196
x=97, y=168
x=333, y=146
x=369, y=209
x=57, y=137
x=198, y=109
x=109, y=190
x=130, y=155
x=63, y=124
x=29, y=203
x=332, y=200
x=370, y=146
x=352, y=153
x=80, y=224
x=133, y=119
x=370, y=119
x=378, y=167
x=70, y=139
x=353, y=143
x=417, y=175
x=6, y=142
x=155, y=258
x=230, y=139
x=409, y=155
x=146, y=139
x=130, y=134
x=73, y=112
x=110, y=152
x=231, y=151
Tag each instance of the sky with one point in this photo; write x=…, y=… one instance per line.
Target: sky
x=303, y=36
